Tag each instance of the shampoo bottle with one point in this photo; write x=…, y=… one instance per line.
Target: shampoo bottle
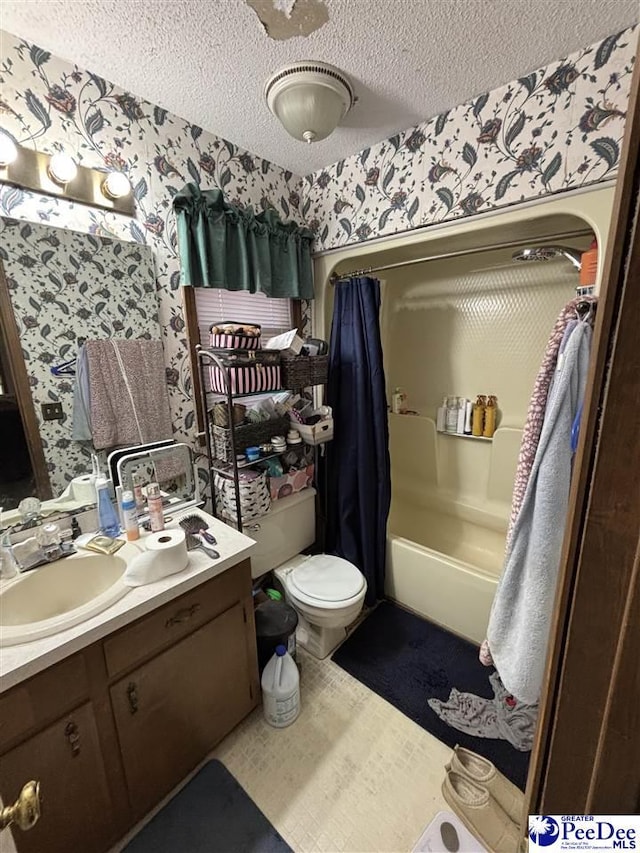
x=477, y=418
x=468, y=412
x=452, y=414
x=490, y=414
x=107, y=517
x=399, y=401
x=130, y=516
x=154, y=504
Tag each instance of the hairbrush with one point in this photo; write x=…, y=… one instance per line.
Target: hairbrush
x=194, y=542
x=196, y=524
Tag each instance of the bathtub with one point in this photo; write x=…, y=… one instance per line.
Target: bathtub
x=444, y=566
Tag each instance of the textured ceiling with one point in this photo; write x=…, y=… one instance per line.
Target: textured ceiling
x=207, y=60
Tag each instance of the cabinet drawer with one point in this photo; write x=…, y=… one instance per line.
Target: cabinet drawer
x=175, y=620
x=42, y=698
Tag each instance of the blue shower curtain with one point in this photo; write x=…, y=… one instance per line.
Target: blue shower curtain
x=358, y=478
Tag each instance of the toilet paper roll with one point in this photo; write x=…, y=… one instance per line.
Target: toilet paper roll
x=166, y=554
x=83, y=489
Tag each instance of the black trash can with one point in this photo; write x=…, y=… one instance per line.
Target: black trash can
x=276, y=624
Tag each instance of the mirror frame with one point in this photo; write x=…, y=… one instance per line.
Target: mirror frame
x=24, y=399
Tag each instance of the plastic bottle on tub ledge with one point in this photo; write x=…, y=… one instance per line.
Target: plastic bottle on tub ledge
x=399, y=401
x=490, y=417
x=281, y=689
x=477, y=416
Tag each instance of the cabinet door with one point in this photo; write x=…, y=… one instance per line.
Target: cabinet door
x=76, y=807
x=172, y=710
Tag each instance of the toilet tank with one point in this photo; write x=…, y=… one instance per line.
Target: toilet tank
x=287, y=529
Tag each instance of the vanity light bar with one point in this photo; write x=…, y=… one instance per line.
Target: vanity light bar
x=38, y=172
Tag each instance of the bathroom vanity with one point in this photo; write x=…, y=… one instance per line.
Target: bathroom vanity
x=111, y=714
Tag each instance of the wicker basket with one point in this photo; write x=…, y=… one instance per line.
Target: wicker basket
x=301, y=371
x=220, y=414
x=246, y=436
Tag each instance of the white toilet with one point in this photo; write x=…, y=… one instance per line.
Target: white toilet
x=327, y=592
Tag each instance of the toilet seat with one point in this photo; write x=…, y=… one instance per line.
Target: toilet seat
x=326, y=581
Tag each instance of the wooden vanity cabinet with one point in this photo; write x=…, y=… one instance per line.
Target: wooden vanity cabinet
x=65, y=758
x=111, y=730
x=172, y=710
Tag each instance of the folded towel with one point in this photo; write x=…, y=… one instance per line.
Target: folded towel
x=128, y=389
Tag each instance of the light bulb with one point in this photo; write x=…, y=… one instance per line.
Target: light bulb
x=116, y=185
x=62, y=168
x=8, y=150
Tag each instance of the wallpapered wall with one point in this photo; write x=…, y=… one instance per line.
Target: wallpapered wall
x=64, y=286
x=49, y=104
x=554, y=129
x=557, y=128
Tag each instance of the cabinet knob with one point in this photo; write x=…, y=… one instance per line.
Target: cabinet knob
x=182, y=615
x=72, y=734
x=25, y=812
x=132, y=696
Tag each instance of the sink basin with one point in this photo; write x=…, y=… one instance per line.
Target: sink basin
x=62, y=594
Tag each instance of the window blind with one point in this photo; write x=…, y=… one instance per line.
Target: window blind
x=215, y=305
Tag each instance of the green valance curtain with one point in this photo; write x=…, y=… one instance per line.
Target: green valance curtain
x=235, y=249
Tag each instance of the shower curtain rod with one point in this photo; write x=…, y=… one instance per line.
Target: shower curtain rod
x=336, y=278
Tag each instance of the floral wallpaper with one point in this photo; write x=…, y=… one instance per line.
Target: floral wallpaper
x=557, y=128
x=65, y=286
x=50, y=104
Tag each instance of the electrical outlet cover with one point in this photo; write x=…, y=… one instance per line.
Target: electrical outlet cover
x=52, y=411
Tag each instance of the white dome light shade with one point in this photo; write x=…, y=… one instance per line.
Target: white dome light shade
x=62, y=168
x=116, y=185
x=8, y=150
x=309, y=98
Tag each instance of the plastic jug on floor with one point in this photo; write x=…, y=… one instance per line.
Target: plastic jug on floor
x=281, y=689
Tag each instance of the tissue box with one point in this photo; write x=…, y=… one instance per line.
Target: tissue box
x=316, y=433
x=290, y=342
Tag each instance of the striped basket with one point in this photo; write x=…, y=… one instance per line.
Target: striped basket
x=235, y=335
x=250, y=371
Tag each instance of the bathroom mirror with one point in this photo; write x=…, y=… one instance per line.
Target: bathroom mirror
x=57, y=288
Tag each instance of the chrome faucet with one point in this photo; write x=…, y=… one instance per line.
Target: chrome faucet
x=45, y=547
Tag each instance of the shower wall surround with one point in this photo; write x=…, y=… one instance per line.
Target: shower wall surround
x=50, y=104
x=558, y=128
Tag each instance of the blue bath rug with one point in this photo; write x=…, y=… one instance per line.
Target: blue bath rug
x=211, y=814
x=408, y=660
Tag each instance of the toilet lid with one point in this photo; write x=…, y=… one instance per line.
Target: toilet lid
x=327, y=578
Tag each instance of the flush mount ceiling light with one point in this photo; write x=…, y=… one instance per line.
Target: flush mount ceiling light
x=116, y=185
x=62, y=168
x=309, y=98
x=8, y=150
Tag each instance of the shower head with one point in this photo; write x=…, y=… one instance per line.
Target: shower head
x=547, y=253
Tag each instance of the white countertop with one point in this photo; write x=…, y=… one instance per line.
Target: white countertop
x=19, y=662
